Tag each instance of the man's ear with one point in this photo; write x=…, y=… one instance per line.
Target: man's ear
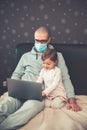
x=49, y=40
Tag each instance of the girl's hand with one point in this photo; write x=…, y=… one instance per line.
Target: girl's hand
x=43, y=94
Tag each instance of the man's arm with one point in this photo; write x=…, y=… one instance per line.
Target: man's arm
x=68, y=84
x=19, y=70
x=65, y=77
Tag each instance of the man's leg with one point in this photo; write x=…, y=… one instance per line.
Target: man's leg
x=8, y=106
x=27, y=111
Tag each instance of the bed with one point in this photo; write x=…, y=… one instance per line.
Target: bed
x=63, y=119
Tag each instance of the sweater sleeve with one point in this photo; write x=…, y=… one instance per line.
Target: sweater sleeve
x=65, y=77
x=40, y=78
x=19, y=70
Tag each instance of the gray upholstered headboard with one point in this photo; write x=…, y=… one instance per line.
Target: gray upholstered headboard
x=76, y=60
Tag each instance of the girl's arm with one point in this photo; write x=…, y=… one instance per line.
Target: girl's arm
x=54, y=83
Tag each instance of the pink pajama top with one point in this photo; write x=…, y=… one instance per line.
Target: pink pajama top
x=53, y=83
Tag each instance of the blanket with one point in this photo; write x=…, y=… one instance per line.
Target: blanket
x=59, y=119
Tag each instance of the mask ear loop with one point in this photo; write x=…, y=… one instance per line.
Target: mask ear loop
x=48, y=41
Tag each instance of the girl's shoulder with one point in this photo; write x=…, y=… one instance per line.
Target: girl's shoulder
x=57, y=69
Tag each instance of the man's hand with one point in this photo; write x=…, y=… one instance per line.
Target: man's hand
x=73, y=105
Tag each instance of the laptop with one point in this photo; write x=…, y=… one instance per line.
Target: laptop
x=24, y=90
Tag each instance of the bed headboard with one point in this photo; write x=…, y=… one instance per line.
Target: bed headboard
x=76, y=60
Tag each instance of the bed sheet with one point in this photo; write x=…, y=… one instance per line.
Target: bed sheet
x=59, y=119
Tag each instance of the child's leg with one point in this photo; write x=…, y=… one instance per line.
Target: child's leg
x=57, y=103
x=48, y=103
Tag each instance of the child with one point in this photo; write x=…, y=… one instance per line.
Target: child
x=51, y=76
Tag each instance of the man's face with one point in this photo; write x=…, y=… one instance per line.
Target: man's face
x=42, y=38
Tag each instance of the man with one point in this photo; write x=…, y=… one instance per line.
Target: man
x=15, y=113
x=43, y=39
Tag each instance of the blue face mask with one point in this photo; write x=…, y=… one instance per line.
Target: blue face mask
x=40, y=47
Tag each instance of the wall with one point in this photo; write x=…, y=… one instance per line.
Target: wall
x=67, y=20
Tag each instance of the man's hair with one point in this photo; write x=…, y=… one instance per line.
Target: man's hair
x=50, y=53
x=42, y=30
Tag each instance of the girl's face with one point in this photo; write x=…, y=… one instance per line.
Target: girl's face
x=49, y=64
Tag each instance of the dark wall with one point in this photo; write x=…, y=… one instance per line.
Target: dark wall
x=67, y=20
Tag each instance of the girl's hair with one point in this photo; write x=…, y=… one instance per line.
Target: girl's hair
x=50, y=53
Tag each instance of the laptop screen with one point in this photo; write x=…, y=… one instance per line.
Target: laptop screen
x=24, y=90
